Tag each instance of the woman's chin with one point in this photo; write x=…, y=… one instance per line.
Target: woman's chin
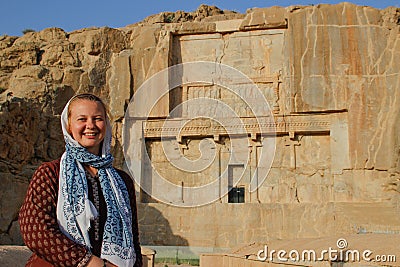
x=92, y=147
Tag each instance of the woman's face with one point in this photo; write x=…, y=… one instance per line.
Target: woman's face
x=87, y=124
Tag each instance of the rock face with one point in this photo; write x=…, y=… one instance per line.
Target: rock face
x=328, y=72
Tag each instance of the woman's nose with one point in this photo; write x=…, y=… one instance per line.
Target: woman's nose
x=90, y=124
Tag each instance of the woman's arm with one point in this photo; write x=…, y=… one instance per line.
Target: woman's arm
x=96, y=262
x=38, y=221
x=135, y=228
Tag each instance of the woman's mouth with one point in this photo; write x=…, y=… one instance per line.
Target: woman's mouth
x=89, y=134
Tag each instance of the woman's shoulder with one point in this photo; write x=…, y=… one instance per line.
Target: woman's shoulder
x=46, y=175
x=53, y=165
x=50, y=168
x=126, y=177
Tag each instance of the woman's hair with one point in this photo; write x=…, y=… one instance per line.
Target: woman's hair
x=86, y=96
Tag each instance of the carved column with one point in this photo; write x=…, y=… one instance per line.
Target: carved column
x=254, y=145
x=292, y=141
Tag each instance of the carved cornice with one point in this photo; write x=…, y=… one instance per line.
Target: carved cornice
x=200, y=127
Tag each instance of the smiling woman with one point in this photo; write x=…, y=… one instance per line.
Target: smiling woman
x=79, y=210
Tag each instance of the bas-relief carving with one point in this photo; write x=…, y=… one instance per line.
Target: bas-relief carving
x=206, y=47
x=239, y=100
x=279, y=125
x=303, y=149
x=335, y=129
x=256, y=45
x=256, y=54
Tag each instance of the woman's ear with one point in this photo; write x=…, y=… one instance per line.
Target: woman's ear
x=69, y=128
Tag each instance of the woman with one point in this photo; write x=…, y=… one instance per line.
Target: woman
x=79, y=210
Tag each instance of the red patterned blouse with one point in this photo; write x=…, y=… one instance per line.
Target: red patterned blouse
x=39, y=227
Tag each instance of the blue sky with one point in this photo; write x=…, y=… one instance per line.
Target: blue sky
x=18, y=15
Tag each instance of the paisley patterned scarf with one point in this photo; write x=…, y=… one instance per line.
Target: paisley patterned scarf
x=75, y=210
